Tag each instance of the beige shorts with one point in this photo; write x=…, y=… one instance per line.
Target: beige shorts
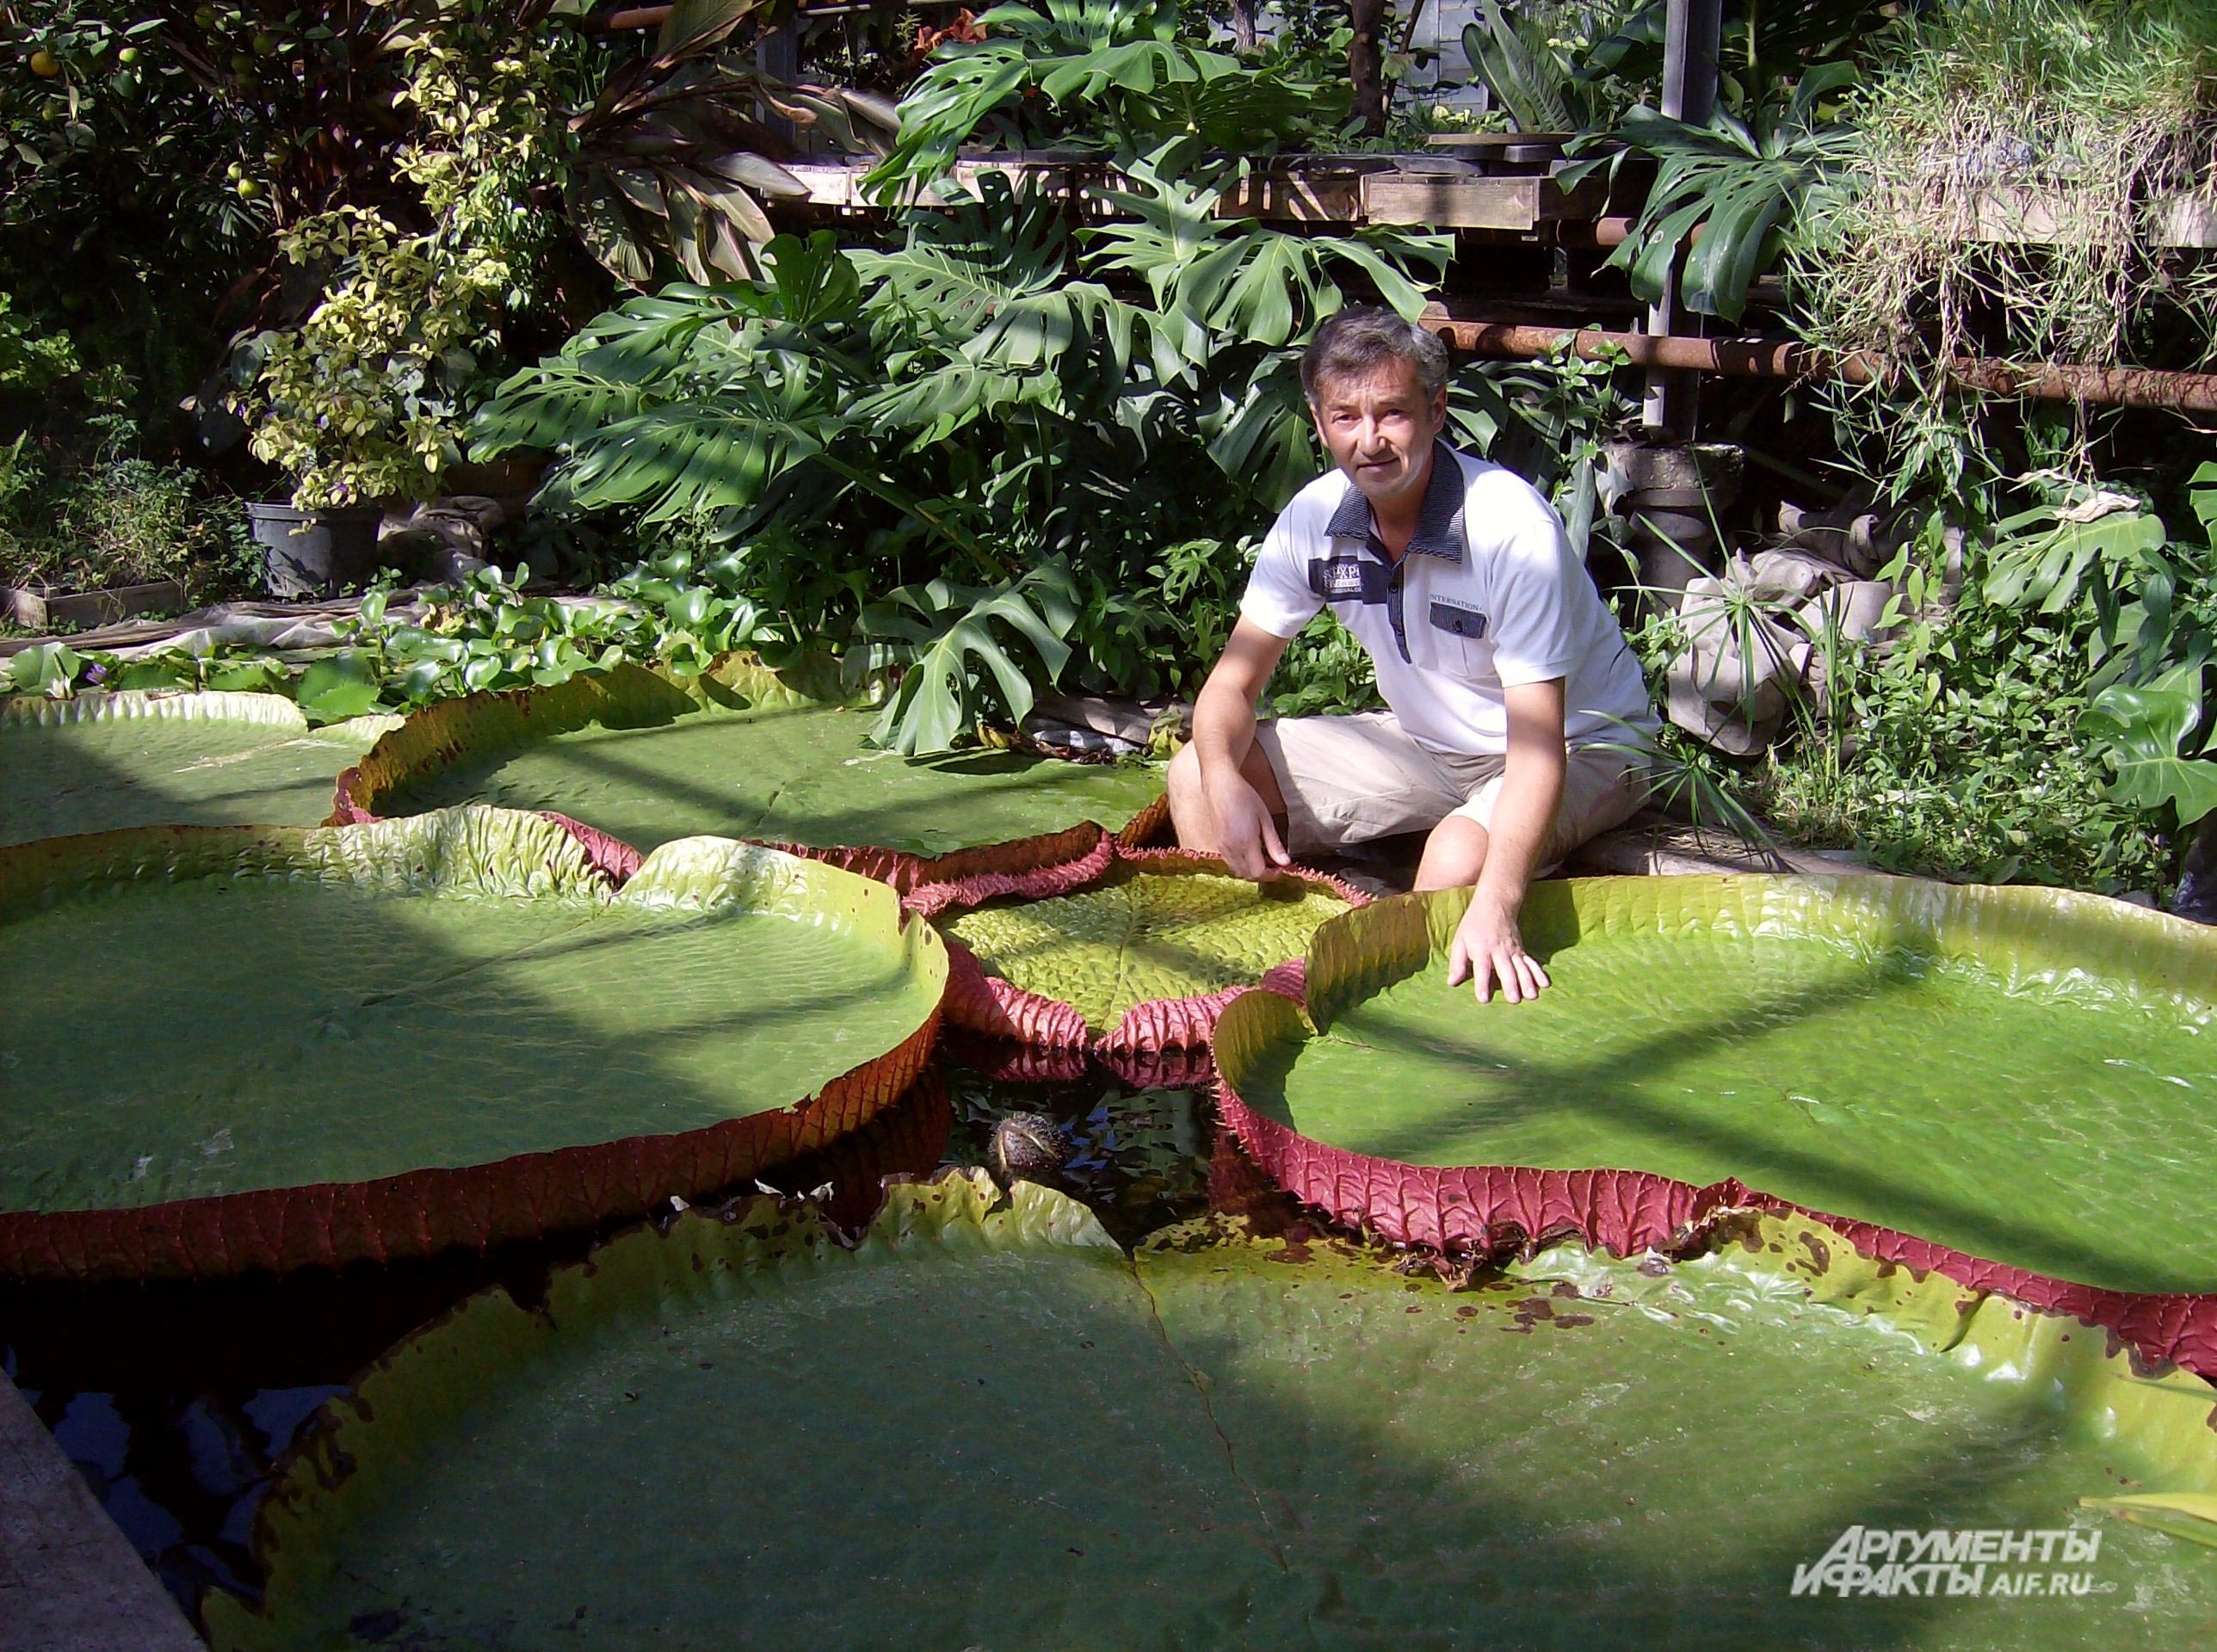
x=1349, y=779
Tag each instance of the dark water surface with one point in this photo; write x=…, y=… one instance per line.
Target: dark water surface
x=176, y=1398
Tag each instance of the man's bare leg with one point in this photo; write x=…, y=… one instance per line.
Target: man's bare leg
x=1454, y=853
x=1189, y=810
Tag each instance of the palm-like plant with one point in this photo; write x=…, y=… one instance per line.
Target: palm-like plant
x=672, y=161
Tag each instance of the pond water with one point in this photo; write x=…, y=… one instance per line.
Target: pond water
x=175, y=1398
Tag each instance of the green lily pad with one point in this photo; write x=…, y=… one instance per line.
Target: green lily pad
x=1140, y=936
x=739, y=753
x=986, y=1426
x=233, y=1015
x=2022, y=1076
x=103, y=761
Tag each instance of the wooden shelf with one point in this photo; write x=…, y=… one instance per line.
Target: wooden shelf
x=1413, y=191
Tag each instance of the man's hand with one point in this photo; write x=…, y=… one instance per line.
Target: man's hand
x=1487, y=947
x=1246, y=837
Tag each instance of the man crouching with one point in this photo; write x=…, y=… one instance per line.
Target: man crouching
x=1513, y=695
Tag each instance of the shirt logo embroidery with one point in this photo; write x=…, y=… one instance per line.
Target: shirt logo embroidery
x=1458, y=621
x=1337, y=579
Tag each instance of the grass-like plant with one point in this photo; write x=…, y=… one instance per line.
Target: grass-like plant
x=2017, y=161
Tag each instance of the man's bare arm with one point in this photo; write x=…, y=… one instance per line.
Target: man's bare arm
x=1239, y=824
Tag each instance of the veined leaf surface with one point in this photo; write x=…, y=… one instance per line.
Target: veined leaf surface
x=1141, y=936
x=2022, y=1077
x=985, y=1425
x=286, y=1021
x=102, y=762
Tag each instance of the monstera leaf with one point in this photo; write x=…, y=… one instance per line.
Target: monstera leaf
x=101, y=761
x=1743, y=186
x=954, y=639
x=449, y=1030
x=2150, y=734
x=1096, y=75
x=740, y=751
x=1255, y=283
x=986, y=1426
x=2005, y=1084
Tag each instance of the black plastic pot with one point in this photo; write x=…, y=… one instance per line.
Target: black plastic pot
x=314, y=552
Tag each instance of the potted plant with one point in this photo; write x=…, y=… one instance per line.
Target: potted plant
x=362, y=403
x=358, y=402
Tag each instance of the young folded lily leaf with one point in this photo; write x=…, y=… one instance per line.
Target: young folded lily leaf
x=309, y=1046
x=985, y=1425
x=1138, y=958
x=2012, y=1085
x=102, y=762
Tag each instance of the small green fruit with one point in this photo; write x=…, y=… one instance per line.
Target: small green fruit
x=234, y=171
x=264, y=45
x=127, y=56
x=248, y=190
x=205, y=16
x=44, y=64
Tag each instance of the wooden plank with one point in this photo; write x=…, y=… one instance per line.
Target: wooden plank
x=2187, y=221
x=2009, y=214
x=1453, y=203
x=1325, y=198
x=70, y=1580
x=1384, y=193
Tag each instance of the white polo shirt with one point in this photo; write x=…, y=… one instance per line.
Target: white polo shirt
x=1488, y=596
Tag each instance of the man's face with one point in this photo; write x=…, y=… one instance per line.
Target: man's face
x=1379, y=428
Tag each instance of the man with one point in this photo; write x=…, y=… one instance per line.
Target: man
x=1517, y=708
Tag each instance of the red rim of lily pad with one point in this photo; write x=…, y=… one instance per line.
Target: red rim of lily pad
x=1027, y=868
x=1478, y=1211
x=417, y=1213
x=1490, y=1209
x=999, y=1010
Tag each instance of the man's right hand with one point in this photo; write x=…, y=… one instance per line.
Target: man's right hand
x=1246, y=837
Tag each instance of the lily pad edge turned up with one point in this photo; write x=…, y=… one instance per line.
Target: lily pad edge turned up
x=273, y=724
x=1481, y=1211
x=420, y=1212
x=1031, y=865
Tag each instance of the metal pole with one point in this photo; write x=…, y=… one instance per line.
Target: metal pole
x=1692, y=34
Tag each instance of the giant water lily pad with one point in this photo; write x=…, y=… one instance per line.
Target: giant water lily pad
x=1127, y=957
x=2022, y=1077
x=230, y=1047
x=740, y=752
x=1139, y=935
x=101, y=761
x=987, y=1427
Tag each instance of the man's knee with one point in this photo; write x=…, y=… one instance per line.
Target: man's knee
x=1185, y=771
x=1188, y=807
x=1454, y=853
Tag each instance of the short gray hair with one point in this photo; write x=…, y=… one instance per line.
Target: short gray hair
x=1356, y=343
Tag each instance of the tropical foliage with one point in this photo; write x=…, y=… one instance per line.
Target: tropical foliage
x=1109, y=75
x=1003, y=438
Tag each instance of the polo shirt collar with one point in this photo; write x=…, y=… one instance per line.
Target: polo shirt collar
x=1439, y=518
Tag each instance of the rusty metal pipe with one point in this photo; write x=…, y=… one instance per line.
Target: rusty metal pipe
x=1747, y=358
